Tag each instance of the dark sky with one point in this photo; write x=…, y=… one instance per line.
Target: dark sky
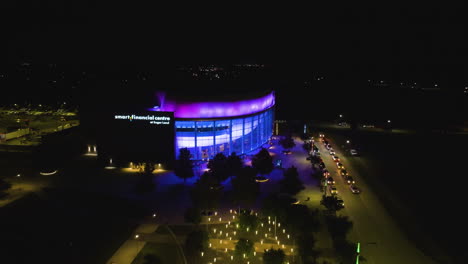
x=340, y=36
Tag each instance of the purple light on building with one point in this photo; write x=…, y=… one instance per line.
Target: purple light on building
x=217, y=109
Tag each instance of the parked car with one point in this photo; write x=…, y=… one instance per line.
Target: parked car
x=287, y=152
x=335, y=158
x=339, y=201
x=353, y=152
x=325, y=172
x=350, y=180
x=339, y=165
x=332, y=189
x=332, y=152
x=354, y=189
x=330, y=181
x=343, y=172
x=322, y=165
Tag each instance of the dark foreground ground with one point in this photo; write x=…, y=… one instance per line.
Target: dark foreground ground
x=421, y=180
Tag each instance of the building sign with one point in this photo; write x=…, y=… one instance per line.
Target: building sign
x=151, y=119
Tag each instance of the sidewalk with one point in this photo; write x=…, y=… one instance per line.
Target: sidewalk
x=130, y=248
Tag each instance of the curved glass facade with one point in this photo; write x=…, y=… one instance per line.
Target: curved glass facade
x=206, y=138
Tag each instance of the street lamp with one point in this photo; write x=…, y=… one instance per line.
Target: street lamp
x=341, y=116
x=347, y=141
x=388, y=121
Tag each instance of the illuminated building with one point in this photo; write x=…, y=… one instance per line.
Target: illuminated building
x=209, y=127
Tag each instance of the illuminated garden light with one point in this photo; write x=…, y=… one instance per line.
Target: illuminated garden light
x=230, y=211
x=261, y=242
x=269, y=229
x=226, y=225
x=279, y=224
x=234, y=232
x=288, y=236
x=202, y=253
x=216, y=213
x=244, y=255
x=220, y=219
x=214, y=230
x=282, y=246
x=225, y=250
x=221, y=241
x=233, y=217
x=237, y=225
x=292, y=249
x=256, y=232
x=247, y=229
x=284, y=230
x=209, y=245
x=262, y=224
x=266, y=235
x=214, y=260
x=209, y=219
x=232, y=257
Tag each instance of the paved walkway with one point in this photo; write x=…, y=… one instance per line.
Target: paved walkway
x=130, y=248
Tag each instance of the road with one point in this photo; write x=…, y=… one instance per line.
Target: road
x=381, y=240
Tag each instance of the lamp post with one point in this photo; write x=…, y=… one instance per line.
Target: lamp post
x=358, y=250
x=137, y=246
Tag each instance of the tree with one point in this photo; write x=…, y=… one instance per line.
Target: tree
x=273, y=256
x=248, y=220
x=196, y=242
x=263, y=162
x=291, y=183
x=193, y=215
x=339, y=226
x=234, y=164
x=219, y=168
x=149, y=168
x=243, y=246
x=301, y=219
x=206, y=192
x=184, y=165
x=305, y=247
x=151, y=259
x=331, y=203
x=273, y=206
x=287, y=142
x=245, y=188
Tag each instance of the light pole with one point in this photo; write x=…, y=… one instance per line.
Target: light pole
x=137, y=248
x=358, y=250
